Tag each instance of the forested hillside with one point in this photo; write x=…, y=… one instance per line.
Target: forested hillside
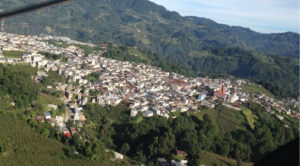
x=146, y=139
x=144, y=24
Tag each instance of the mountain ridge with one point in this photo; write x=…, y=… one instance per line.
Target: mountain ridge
x=143, y=14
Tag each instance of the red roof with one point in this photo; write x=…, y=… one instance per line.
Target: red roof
x=40, y=118
x=219, y=94
x=236, y=105
x=67, y=135
x=183, y=153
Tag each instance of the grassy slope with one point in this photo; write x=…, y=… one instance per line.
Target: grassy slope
x=209, y=159
x=256, y=89
x=22, y=145
x=225, y=120
x=13, y=54
x=47, y=99
x=27, y=68
x=249, y=116
x=230, y=120
x=213, y=114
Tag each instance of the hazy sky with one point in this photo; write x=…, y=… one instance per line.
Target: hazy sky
x=264, y=16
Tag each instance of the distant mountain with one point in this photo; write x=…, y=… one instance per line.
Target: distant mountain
x=144, y=24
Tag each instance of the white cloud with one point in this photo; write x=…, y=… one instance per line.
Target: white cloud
x=259, y=15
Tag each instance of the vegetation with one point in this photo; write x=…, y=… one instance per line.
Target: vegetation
x=13, y=54
x=230, y=120
x=142, y=139
x=144, y=24
x=208, y=158
x=86, y=49
x=52, y=78
x=51, y=56
x=255, y=89
x=249, y=116
x=94, y=76
x=17, y=84
x=20, y=144
x=148, y=138
x=48, y=99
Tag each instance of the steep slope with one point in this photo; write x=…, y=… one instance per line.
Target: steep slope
x=20, y=144
x=145, y=24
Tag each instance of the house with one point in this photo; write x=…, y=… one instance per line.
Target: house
x=280, y=117
x=148, y=113
x=51, y=121
x=76, y=117
x=181, y=153
x=179, y=163
x=184, y=109
x=47, y=115
x=40, y=118
x=207, y=104
x=49, y=87
x=69, y=95
x=118, y=156
x=162, y=162
x=133, y=113
x=202, y=96
x=52, y=107
x=73, y=130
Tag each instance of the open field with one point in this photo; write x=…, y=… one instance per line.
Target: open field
x=13, y=54
x=256, y=89
x=211, y=159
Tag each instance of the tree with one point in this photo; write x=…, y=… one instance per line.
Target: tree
x=98, y=150
x=125, y=148
x=46, y=132
x=239, y=162
x=190, y=143
x=84, y=66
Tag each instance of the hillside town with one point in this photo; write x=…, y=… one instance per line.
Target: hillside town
x=147, y=90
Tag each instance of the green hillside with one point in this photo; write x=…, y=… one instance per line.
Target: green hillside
x=255, y=89
x=208, y=159
x=13, y=54
x=144, y=24
x=251, y=119
x=20, y=144
x=225, y=119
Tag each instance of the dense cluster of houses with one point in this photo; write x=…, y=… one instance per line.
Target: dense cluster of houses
x=147, y=90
